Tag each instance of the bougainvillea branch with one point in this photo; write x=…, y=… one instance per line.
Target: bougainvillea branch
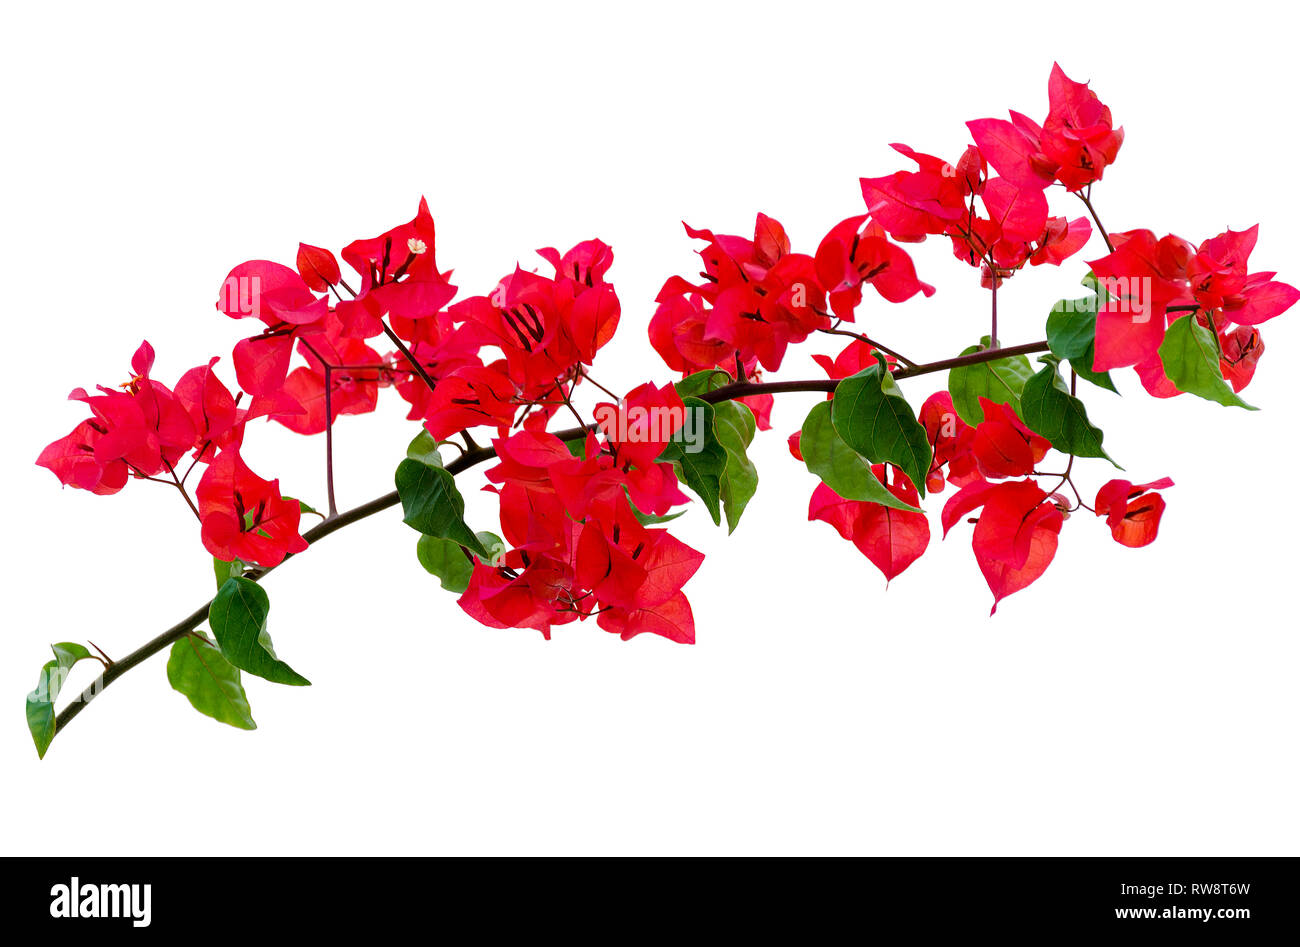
x=584, y=508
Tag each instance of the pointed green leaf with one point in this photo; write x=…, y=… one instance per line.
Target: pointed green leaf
x=451, y=563
x=870, y=413
x=238, y=619
x=1049, y=409
x=447, y=560
x=1000, y=380
x=424, y=448
x=226, y=570
x=653, y=519
x=700, y=383
x=494, y=544
x=1190, y=355
x=432, y=504
x=699, y=459
x=213, y=686
x=40, y=702
x=650, y=519
x=734, y=426
x=1072, y=335
x=839, y=466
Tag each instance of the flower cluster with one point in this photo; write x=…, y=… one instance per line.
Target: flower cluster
x=1001, y=222
x=509, y=358
x=1012, y=224
x=576, y=523
x=756, y=297
x=1151, y=282
x=145, y=430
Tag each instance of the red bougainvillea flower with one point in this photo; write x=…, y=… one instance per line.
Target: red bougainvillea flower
x=1019, y=214
x=756, y=298
x=1003, y=446
x=318, y=268
x=354, y=385
x=72, y=459
x=586, y=263
x=1012, y=149
x=913, y=204
x=245, y=517
x=891, y=539
x=471, y=396
x=671, y=619
x=578, y=547
x=1015, y=227
x=218, y=420
x=1220, y=279
x=1241, y=350
x=640, y=426
x=283, y=301
x=1142, y=278
x=677, y=330
x=1062, y=240
x=950, y=440
x=271, y=292
x=1078, y=135
x=853, y=358
x=143, y=425
x=857, y=253
x=1015, y=535
x=1132, y=512
x=399, y=281
x=545, y=327
x=399, y=277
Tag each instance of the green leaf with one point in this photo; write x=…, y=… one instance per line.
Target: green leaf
x=1072, y=335
x=494, y=544
x=450, y=563
x=839, y=466
x=700, y=383
x=238, y=619
x=1190, y=355
x=652, y=519
x=213, y=686
x=1000, y=380
x=447, y=560
x=734, y=426
x=226, y=570
x=424, y=448
x=1091, y=282
x=701, y=469
x=870, y=413
x=40, y=702
x=1049, y=409
x=432, y=504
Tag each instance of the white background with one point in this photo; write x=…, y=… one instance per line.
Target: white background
x=1133, y=701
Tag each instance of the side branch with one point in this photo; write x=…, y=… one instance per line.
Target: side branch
x=200, y=615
